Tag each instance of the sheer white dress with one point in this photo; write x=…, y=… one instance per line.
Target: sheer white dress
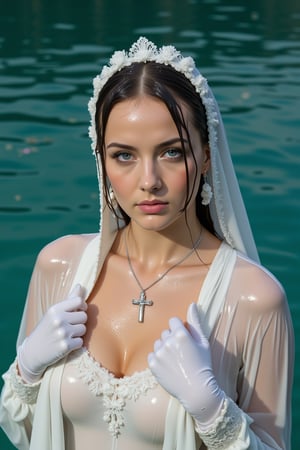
x=78, y=404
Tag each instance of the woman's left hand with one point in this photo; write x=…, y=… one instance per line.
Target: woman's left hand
x=181, y=363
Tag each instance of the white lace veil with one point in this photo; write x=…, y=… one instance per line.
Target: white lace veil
x=226, y=207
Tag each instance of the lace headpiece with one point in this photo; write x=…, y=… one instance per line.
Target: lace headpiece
x=227, y=207
x=145, y=51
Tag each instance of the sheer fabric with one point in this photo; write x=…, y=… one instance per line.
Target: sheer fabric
x=244, y=313
x=126, y=412
x=242, y=332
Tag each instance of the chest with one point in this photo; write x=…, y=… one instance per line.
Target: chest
x=115, y=336
x=129, y=409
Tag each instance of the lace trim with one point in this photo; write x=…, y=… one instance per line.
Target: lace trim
x=115, y=391
x=26, y=392
x=226, y=428
x=144, y=50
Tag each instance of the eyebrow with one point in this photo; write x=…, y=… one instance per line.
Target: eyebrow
x=159, y=146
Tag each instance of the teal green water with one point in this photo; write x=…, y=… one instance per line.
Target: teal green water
x=49, y=53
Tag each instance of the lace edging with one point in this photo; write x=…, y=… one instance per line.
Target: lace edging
x=115, y=391
x=26, y=392
x=226, y=429
x=144, y=50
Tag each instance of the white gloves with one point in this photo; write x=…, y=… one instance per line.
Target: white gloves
x=181, y=363
x=58, y=333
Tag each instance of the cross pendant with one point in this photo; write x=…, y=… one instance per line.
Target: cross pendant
x=142, y=302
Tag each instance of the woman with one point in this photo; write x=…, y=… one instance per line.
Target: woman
x=163, y=330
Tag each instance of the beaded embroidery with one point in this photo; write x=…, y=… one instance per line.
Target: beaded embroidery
x=115, y=391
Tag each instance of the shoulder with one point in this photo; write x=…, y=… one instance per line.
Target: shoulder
x=259, y=307
x=258, y=290
x=64, y=250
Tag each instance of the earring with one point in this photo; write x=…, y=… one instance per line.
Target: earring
x=206, y=192
x=112, y=197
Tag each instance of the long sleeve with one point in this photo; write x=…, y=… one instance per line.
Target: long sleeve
x=51, y=280
x=17, y=407
x=259, y=353
x=246, y=318
x=18, y=400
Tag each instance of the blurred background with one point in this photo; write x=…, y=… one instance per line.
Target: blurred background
x=49, y=53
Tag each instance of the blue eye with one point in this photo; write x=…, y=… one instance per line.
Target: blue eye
x=122, y=156
x=174, y=153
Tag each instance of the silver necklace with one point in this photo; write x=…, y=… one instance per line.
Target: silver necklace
x=142, y=301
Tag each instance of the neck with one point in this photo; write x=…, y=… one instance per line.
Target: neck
x=155, y=249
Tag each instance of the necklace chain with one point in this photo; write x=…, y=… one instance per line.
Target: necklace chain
x=142, y=302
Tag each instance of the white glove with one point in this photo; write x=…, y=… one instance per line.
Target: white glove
x=58, y=333
x=181, y=363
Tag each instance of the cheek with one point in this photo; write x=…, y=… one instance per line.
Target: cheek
x=119, y=187
x=180, y=181
x=115, y=177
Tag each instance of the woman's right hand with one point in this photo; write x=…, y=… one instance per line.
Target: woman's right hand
x=58, y=333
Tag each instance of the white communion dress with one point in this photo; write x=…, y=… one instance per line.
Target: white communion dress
x=78, y=404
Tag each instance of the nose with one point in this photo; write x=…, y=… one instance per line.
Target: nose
x=150, y=179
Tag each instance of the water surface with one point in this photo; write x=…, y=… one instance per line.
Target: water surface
x=50, y=51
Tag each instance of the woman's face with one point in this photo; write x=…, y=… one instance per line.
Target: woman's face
x=145, y=164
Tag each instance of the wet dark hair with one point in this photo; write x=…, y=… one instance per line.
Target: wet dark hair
x=171, y=87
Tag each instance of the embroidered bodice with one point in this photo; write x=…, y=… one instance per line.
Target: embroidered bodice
x=103, y=408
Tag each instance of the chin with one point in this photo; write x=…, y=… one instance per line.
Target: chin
x=156, y=223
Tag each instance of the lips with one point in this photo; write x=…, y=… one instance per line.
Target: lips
x=152, y=202
x=152, y=206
